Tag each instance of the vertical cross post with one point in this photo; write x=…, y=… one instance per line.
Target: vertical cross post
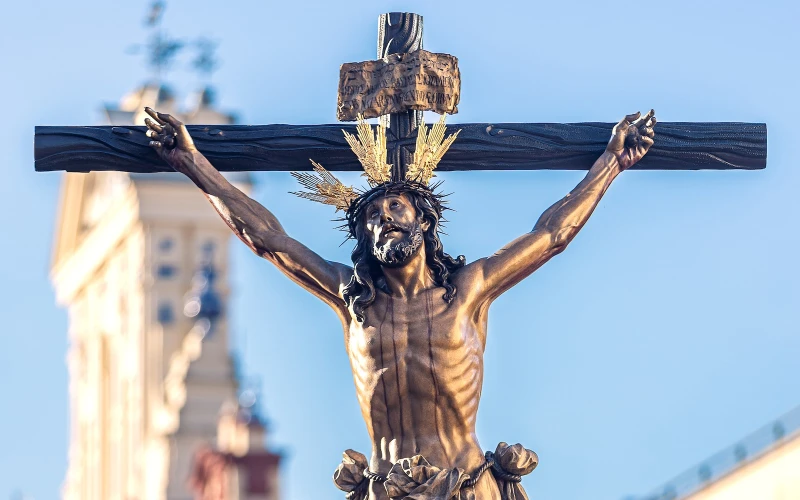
x=400, y=32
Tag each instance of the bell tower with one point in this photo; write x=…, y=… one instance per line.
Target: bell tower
x=141, y=263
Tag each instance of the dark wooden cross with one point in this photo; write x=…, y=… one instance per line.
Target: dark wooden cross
x=480, y=146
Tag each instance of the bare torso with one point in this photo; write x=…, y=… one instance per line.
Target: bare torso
x=418, y=369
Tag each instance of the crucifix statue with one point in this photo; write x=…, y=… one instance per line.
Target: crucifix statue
x=414, y=317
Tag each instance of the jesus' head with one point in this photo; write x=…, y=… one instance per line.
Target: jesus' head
x=393, y=223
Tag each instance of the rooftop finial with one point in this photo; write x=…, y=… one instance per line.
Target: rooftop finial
x=161, y=48
x=206, y=60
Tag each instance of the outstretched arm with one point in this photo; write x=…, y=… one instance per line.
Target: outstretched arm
x=558, y=225
x=256, y=226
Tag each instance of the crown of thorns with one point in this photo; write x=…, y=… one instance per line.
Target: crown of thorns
x=323, y=187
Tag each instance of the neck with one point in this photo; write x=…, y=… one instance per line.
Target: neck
x=410, y=279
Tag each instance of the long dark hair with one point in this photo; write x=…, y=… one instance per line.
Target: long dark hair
x=367, y=275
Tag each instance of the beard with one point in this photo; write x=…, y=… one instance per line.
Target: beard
x=396, y=252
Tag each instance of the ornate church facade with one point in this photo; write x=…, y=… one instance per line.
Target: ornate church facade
x=140, y=262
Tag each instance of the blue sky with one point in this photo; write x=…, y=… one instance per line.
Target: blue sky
x=667, y=330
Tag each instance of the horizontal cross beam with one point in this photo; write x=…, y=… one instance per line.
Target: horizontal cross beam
x=480, y=146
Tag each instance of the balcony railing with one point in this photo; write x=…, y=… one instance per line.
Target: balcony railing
x=729, y=459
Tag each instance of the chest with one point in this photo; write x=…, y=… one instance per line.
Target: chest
x=424, y=325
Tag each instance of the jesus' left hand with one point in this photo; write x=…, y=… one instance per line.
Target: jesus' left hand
x=632, y=138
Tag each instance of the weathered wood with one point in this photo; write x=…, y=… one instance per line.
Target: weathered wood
x=398, y=33
x=419, y=80
x=480, y=146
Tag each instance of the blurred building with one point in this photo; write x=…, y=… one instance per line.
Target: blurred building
x=764, y=465
x=140, y=261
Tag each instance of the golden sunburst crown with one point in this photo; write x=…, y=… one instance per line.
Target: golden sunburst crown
x=324, y=187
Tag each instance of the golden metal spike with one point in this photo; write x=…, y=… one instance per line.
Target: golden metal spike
x=371, y=151
x=324, y=187
x=431, y=147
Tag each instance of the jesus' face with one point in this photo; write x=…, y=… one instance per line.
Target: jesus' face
x=395, y=229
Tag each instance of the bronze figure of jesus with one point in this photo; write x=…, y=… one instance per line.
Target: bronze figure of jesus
x=414, y=318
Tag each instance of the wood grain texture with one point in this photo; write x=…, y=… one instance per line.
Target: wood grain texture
x=480, y=146
x=419, y=80
x=400, y=32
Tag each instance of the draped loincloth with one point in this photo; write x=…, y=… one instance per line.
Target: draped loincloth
x=416, y=479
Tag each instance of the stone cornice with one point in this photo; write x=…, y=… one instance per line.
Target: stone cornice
x=72, y=273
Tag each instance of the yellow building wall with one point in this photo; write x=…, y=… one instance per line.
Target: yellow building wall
x=773, y=476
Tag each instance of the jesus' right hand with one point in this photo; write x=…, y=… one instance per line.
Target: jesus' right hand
x=170, y=139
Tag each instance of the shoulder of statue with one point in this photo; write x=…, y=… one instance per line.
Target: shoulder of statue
x=469, y=275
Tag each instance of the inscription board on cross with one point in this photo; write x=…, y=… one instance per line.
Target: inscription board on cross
x=416, y=80
x=480, y=146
